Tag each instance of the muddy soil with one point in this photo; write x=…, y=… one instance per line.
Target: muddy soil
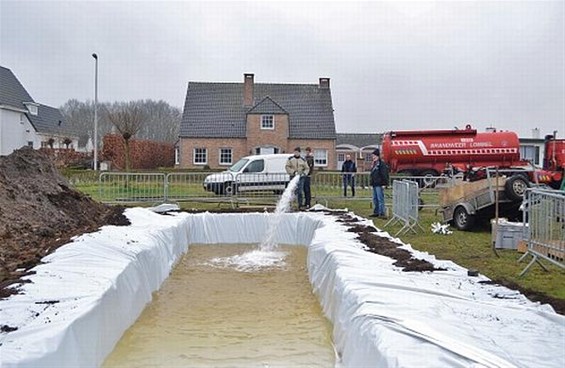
x=39, y=212
x=385, y=247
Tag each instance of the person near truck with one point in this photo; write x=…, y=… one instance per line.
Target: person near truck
x=348, y=169
x=307, y=179
x=379, y=179
x=296, y=165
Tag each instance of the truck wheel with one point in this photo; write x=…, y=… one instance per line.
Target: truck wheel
x=428, y=181
x=463, y=220
x=515, y=187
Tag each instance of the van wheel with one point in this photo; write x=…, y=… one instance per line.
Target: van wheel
x=229, y=188
x=463, y=220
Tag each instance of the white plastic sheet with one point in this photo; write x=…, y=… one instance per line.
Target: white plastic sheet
x=382, y=316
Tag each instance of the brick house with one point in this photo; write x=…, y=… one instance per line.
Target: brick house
x=359, y=146
x=223, y=122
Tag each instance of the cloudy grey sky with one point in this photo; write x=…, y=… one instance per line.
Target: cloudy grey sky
x=392, y=64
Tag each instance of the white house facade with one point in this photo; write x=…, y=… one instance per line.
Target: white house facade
x=24, y=122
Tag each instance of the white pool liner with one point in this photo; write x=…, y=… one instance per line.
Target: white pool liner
x=382, y=317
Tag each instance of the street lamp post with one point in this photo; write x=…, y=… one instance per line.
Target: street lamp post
x=95, y=111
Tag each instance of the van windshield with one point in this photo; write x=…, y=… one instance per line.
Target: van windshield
x=238, y=165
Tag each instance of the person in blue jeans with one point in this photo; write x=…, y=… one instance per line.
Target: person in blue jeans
x=379, y=179
x=348, y=169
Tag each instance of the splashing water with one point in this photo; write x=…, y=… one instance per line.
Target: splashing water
x=283, y=206
x=253, y=261
x=266, y=256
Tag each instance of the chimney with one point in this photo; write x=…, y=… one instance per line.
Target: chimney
x=535, y=133
x=248, y=89
x=324, y=83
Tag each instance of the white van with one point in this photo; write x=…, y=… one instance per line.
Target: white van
x=251, y=173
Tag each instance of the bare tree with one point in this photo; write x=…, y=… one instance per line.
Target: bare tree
x=162, y=123
x=128, y=119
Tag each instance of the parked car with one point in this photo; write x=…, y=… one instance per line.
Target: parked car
x=251, y=173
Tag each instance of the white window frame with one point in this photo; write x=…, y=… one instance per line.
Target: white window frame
x=319, y=162
x=272, y=122
x=177, y=155
x=205, y=156
x=220, y=156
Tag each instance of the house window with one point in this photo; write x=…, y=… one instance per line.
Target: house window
x=177, y=155
x=320, y=157
x=200, y=156
x=266, y=150
x=30, y=144
x=44, y=144
x=341, y=157
x=267, y=122
x=530, y=153
x=21, y=118
x=226, y=156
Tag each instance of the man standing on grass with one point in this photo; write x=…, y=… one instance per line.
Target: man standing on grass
x=307, y=190
x=379, y=179
x=296, y=165
x=348, y=170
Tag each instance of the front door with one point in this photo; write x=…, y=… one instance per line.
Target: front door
x=266, y=150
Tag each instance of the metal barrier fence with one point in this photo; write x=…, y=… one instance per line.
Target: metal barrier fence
x=544, y=220
x=119, y=187
x=405, y=203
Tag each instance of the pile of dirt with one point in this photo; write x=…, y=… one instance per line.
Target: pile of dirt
x=385, y=247
x=40, y=212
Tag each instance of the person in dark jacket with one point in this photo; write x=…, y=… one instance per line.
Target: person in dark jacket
x=379, y=179
x=307, y=189
x=348, y=168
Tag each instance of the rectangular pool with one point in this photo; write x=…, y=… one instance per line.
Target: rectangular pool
x=218, y=310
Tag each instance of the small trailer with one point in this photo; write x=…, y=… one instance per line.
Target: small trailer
x=462, y=203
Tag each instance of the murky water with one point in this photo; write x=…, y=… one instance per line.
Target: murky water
x=212, y=313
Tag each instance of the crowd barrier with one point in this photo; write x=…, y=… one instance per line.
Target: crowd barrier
x=405, y=205
x=544, y=221
x=121, y=187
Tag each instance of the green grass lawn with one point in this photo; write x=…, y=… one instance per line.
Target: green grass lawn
x=470, y=250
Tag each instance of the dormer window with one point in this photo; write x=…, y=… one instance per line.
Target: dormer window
x=31, y=107
x=267, y=122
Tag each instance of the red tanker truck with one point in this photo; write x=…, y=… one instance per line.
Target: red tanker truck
x=554, y=158
x=431, y=152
